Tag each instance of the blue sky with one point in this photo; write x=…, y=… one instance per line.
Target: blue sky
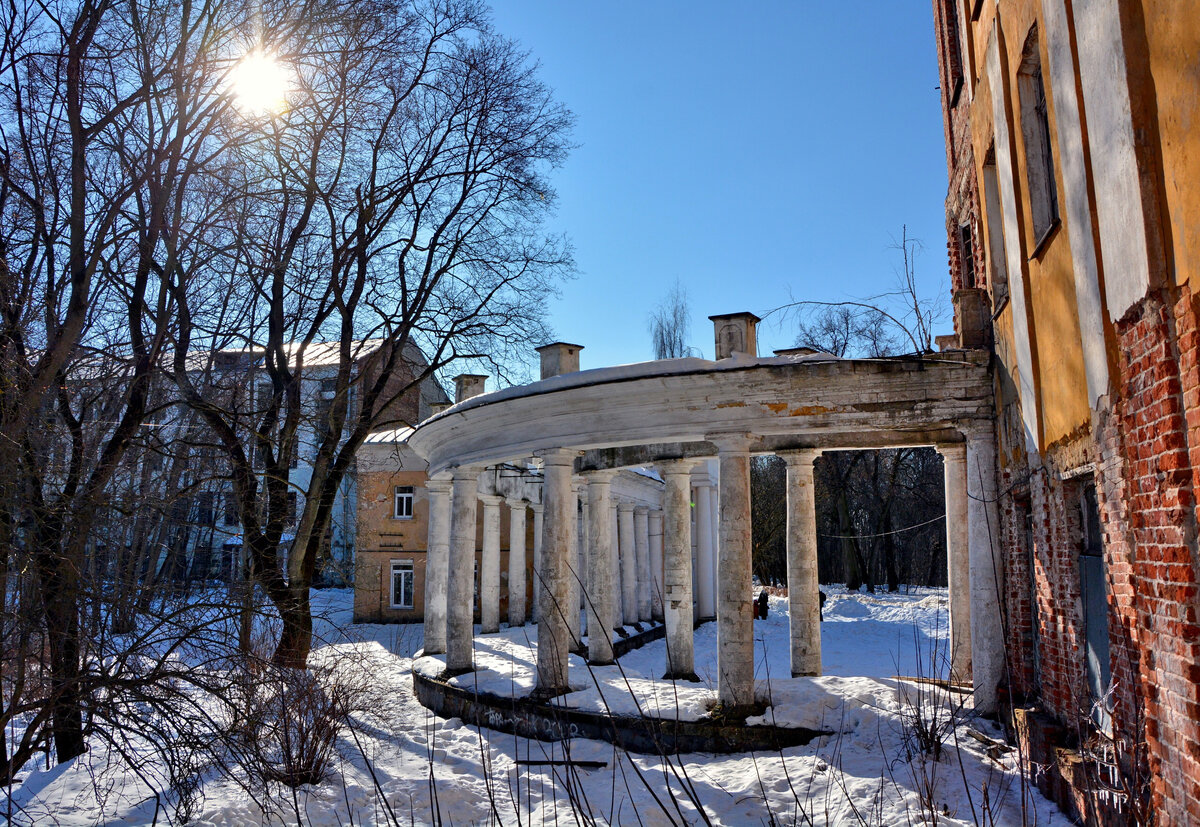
x=755, y=151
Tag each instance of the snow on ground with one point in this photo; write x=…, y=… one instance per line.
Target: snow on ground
x=400, y=764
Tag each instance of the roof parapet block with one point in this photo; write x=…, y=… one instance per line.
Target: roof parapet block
x=467, y=385
x=735, y=333
x=559, y=358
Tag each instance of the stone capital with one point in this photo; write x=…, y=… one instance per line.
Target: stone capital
x=799, y=456
x=515, y=503
x=641, y=510
x=731, y=443
x=462, y=472
x=491, y=500
x=558, y=456
x=439, y=483
x=624, y=506
x=675, y=466
x=601, y=477
x=952, y=451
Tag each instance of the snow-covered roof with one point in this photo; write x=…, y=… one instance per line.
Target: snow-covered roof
x=637, y=370
x=395, y=436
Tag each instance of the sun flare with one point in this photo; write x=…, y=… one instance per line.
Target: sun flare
x=260, y=83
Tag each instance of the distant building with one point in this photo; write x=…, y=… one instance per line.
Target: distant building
x=182, y=476
x=1073, y=219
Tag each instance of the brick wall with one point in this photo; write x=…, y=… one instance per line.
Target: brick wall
x=1018, y=577
x=1057, y=536
x=1157, y=412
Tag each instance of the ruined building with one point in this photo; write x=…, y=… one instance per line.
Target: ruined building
x=1073, y=217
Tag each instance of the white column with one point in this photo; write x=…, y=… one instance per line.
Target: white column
x=617, y=584
x=983, y=519
x=558, y=540
x=437, y=563
x=641, y=543
x=735, y=622
x=600, y=603
x=575, y=570
x=804, y=591
x=656, y=564
x=489, y=565
x=958, y=560
x=582, y=561
x=537, y=510
x=517, y=581
x=460, y=592
x=677, y=570
x=705, y=569
x=628, y=563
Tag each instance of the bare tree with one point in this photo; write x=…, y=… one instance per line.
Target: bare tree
x=392, y=209
x=884, y=322
x=669, y=325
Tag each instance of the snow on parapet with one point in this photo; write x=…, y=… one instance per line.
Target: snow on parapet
x=624, y=373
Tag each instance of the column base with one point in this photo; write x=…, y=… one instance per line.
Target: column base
x=608, y=662
x=806, y=674
x=447, y=674
x=690, y=677
x=542, y=694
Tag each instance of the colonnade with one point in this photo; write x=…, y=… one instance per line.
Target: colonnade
x=620, y=562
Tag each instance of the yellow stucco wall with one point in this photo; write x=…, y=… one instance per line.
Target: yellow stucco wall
x=1172, y=33
x=1048, y=277
x=382, y=538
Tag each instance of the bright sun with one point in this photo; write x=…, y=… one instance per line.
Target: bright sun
x=260, y=83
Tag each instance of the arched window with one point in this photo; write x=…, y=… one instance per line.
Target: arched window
x=1035, y=128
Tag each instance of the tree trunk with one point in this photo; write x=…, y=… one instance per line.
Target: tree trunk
x=62, y=638
x=849, y=552
x=889, y=555
x=296, y=640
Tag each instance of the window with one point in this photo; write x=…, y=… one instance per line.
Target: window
x=953, y=68
x=1035, y=128
x=231, y=516
x=1092, y=594
x=205, y=514
x=966, y=249
x=402, y=584
x=321, y=420
x=402, y=500
x=996, y=261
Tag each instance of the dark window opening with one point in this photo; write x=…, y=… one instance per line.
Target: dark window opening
x=966, y=248
x=1035, y=128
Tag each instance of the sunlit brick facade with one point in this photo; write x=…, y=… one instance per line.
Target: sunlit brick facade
x=1073, y=221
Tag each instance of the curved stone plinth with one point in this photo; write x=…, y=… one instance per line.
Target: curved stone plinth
x=548, y=722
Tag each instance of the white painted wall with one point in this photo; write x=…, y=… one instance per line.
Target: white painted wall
x=1067, y=116
x=1026, y=388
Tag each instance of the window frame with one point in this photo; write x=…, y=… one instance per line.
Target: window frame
x=409, y=493
x=402, y=567
x=1040, y=180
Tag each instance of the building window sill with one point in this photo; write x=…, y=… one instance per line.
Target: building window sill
x=1044, y=240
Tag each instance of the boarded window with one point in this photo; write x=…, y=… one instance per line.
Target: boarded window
x=1035, y=129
